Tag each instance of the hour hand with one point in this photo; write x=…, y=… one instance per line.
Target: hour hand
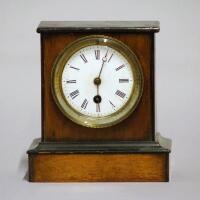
x=97, y=100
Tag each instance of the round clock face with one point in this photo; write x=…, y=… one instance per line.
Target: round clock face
x=97, y=81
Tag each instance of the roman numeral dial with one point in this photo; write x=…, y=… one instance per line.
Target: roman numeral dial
x=97, y=81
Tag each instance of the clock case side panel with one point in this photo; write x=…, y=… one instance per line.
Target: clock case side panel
x=56, y=127
x=42, y=88
x=152, y=93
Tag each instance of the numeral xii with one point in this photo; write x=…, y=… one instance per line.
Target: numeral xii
x=97, y=54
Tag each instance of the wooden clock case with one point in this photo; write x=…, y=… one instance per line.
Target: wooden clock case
x=128, y=151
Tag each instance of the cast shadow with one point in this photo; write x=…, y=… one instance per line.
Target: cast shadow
x=23, y=163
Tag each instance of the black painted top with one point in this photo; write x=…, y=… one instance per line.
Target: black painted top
x=98, y=26
x=161, y=145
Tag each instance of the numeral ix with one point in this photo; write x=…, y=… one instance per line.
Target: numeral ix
x=71, y=81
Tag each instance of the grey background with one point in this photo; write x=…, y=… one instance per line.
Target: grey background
x=178, y=94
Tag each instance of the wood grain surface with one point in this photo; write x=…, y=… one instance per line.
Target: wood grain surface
x=138, y=126
x=98, y=167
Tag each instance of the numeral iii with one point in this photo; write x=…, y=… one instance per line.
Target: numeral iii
x=123, y=80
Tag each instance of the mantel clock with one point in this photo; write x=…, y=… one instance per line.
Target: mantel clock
x=98, y=105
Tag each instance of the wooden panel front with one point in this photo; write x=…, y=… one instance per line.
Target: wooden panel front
x=139, y=126
x=98, y=167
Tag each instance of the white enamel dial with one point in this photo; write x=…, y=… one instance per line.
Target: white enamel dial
x=97, y=81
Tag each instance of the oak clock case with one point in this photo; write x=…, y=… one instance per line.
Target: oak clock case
x=99, y=65
x=98, y=104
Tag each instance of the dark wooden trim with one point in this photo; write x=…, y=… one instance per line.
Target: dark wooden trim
x=42, y=85
x=98, y=26
x=83, y=147
x=30, y=168
x=153, y=84
x=102, y=147
x=167, y=167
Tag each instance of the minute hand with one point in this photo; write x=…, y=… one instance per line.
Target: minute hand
x=104, y=59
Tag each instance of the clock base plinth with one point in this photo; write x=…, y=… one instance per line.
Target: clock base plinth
x=99, y=162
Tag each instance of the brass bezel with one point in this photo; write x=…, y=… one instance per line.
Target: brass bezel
x=79, y=118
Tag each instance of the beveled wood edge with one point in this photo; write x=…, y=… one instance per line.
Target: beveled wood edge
x=163, y=141
x=161, y=145
x=98, y=26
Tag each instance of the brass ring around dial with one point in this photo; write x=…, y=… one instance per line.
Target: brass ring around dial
x=71, y=113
